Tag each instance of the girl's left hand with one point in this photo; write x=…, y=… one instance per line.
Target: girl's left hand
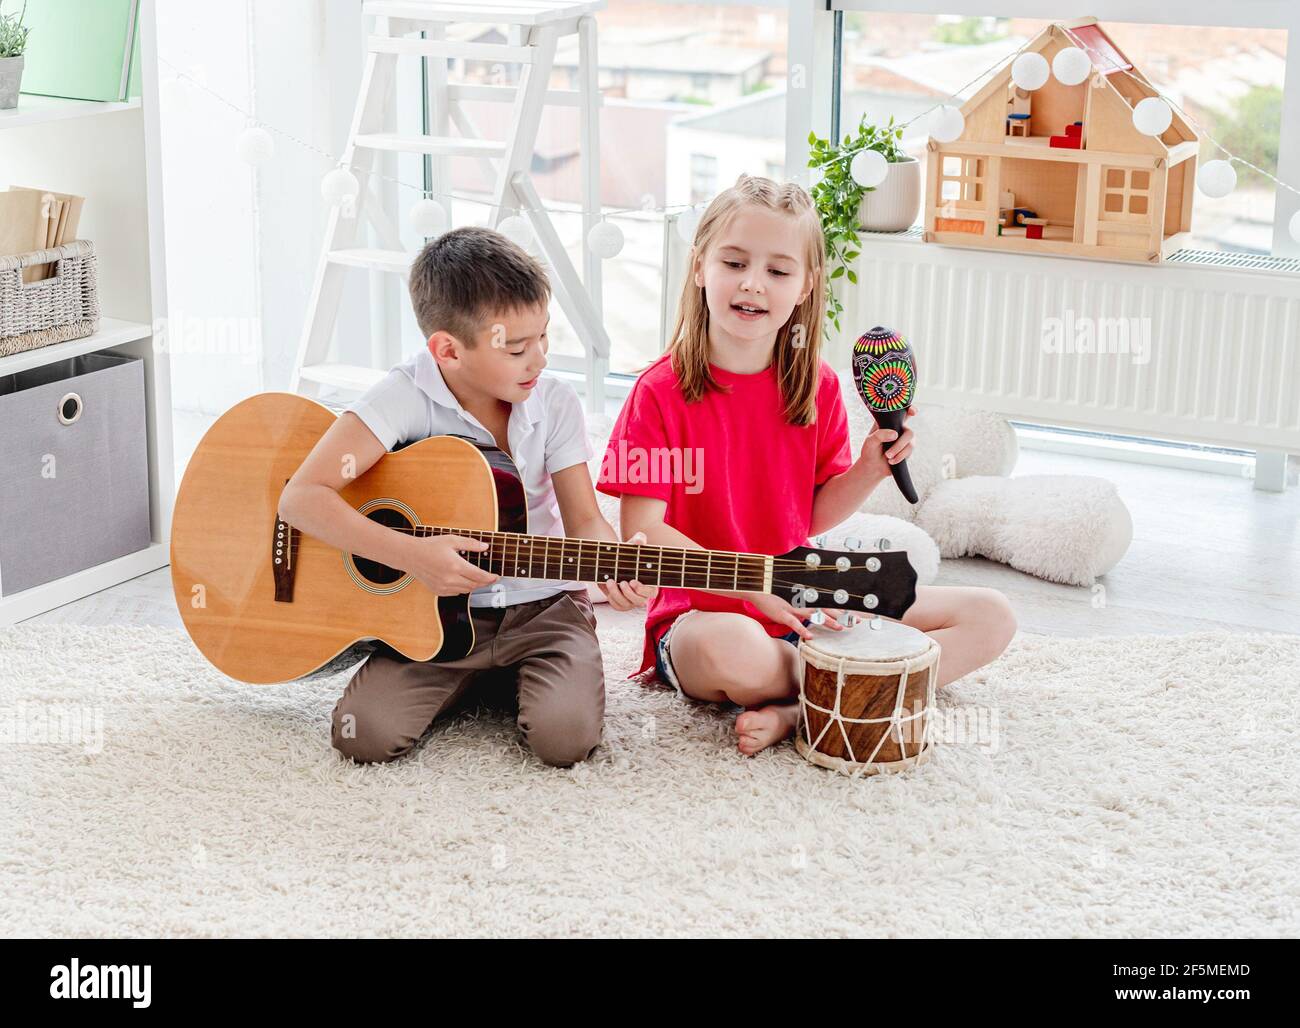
x=627, y=595
x=879, y=456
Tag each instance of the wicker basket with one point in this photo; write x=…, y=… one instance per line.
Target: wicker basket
x=62, y=307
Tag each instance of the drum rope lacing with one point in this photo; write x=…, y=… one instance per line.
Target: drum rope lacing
x=837, y=717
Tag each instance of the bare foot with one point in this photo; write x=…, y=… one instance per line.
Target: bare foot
x=758, y=729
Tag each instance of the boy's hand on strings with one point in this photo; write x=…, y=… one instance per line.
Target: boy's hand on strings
x=627, y=595
x=442, y=569
x=879, y=456
x=774, y=608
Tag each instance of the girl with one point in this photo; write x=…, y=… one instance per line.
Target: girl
x=743, y=398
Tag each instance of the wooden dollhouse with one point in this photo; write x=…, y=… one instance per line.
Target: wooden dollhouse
x=1062, y=169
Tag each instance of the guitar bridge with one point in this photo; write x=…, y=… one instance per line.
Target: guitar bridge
x=284, y=543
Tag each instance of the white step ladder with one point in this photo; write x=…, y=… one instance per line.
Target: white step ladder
x=535, y=26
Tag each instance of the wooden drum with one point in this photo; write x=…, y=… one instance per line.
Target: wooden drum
x=866, y=695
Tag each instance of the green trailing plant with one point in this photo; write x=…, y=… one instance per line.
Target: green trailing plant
x=838, y=196
x=13, y=34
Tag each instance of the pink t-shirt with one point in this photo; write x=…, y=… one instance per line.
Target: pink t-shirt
x=745, y=477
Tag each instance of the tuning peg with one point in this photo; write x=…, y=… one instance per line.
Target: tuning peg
x=841, y=596
x=810, y=595
x=819, y=541
x=870, y=602
x=843, y=564
x=850, y=619
x=817, y=618
x=876, y=624
x=873, y=563
x=813, y=560
x=852, y=542
x=882, y=543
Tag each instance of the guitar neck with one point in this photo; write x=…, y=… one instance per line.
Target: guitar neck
x=515, y=555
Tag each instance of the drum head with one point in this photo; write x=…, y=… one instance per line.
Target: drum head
x=893, y=640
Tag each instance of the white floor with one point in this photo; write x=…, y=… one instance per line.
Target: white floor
x=1209, y=552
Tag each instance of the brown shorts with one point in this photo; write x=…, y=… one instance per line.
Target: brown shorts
x=545, y=652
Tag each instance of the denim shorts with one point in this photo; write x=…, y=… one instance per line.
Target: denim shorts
x=663, y=657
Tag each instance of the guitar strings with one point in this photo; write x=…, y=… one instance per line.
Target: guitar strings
x=698, y=557
x=427, y=531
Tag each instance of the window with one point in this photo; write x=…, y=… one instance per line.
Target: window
x=704, y=177
x=1229, y=81
x=693, y=95
x=962, y=180
x=1126, y=191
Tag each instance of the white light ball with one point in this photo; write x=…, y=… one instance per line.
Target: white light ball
x=1071, y=66
x=1152, y=116
x=339, y=186
x=869, y=168
x=687, y=224
x=517, y=230
x=428, y=218
x=255, y=146
x=1217, y=178
x=1030, y=71
x=1293, y=226
x=605, y=240
x=946, y=124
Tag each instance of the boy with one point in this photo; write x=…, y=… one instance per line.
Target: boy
x=481, y=304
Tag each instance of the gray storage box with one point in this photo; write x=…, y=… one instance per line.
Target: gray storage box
x=74, y=473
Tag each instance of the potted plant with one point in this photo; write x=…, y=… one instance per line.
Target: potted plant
x=847, y=207
x=13, y=41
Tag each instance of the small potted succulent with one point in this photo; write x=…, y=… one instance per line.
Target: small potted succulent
x=847, y=207
x=13, y=41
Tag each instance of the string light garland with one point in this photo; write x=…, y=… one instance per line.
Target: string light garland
x=256, y=146
x=1216, y=178
x=1071, y=66
x=1152, y=115
x=1192, y=121
x=1030, y=70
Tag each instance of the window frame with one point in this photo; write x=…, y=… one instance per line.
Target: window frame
x=1260, y=14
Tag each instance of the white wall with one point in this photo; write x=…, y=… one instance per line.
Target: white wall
x=208, y=205
x=243, y=243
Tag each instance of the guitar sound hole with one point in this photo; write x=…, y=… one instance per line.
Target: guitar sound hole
x=371, y=570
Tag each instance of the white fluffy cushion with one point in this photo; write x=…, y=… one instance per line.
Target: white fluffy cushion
x=951, y=442
x=1064, y=528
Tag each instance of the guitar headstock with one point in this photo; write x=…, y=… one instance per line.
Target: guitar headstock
x=881, y=582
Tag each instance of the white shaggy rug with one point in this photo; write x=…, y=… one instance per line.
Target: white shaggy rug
x=1134, y=786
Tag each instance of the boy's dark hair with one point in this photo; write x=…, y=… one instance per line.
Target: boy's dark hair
x=468, y=274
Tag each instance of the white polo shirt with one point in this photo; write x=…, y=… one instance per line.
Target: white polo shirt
x=547, y=433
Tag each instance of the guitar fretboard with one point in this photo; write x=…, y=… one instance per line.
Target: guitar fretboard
x=515, y=555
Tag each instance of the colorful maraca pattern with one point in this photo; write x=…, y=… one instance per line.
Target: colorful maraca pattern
x=884, y=370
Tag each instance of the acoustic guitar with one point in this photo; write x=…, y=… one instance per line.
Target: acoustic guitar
x=266, y=603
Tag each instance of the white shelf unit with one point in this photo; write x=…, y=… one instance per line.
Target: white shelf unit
x=110, y=154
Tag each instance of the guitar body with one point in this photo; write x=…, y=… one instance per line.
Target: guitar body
x=259, y=621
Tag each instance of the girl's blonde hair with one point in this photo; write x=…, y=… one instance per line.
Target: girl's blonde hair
x=797, y=365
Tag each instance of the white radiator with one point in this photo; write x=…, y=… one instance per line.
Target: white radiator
x=1185, y=350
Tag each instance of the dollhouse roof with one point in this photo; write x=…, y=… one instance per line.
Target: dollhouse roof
x=1105, y=55
x=1111, y=64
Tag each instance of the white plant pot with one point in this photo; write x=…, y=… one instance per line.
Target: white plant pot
x=893, y=205
x=11, y=76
